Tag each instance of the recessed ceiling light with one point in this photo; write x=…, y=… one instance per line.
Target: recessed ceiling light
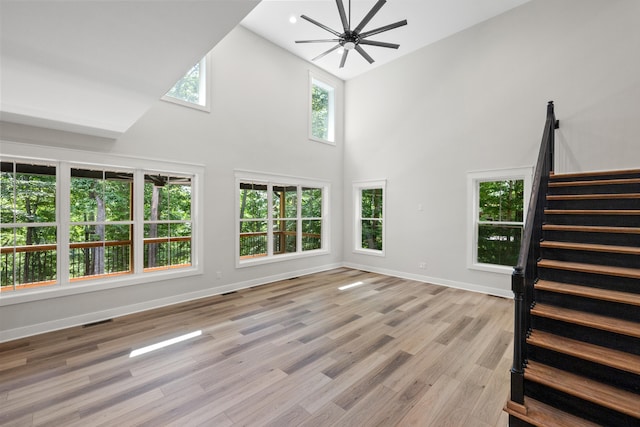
x=293, y=19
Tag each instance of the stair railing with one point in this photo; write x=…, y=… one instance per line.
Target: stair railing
x=525, y=273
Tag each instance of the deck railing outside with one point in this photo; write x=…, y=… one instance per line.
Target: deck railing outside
x=36, y=265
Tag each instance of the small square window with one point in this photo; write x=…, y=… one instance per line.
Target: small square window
x=498, y=217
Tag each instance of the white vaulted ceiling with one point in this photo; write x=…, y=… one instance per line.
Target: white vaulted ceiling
x=96, y=66
x=428, y=22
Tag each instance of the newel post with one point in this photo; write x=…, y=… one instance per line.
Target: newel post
x=517, y=370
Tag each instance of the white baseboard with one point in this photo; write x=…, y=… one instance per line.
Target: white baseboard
x=435, y=280
x=83, y=319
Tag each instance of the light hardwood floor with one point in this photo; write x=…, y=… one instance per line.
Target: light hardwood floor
x=299, y=352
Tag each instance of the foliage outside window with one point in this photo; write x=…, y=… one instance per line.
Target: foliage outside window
x=322, y=111
x=369, y=207
x=191, y=90
x=98, y=223
x=279, y=219
x=28, y=225
x=167, y=221
x=498, y=218
x=101, y=223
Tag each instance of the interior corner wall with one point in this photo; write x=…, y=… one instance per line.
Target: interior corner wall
x=477, y=101
x=258, y=122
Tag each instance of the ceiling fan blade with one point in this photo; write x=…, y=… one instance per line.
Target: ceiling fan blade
x=380, y=44
x=364, y=54
x=343, y=15
x=318, y=41
x=383, y=29
x=376, y=7
x=322, y=55
x=324, y=27
x=344, y=58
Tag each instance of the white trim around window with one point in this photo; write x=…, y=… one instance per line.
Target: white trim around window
x=378, y=218
x=267, y=229
x=331, y=87
x=204, y=86
x=67, y=159
x=473, y=194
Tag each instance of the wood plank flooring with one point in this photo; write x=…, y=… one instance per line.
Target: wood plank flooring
x=299, y=352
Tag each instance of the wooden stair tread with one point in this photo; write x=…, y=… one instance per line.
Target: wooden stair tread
x=604, y=356
x=584, y=388
x=542, y=415
x=592, y=211
x=604, y=196
x=596, y=321
x=594, y=173
x=614, y=181
x=607, y=270
x=592, y=247
x=589, y=292
x=592, y=229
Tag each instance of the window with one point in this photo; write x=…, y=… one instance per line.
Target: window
x=28, y=226
x=279, y=218
x=498, y=218
x=192, y=89
x=369, y=226
x=167, y=221
x=322, y=111
x=101, y=222
x=67, y=224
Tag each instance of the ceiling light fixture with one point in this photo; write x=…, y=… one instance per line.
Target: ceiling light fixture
x=352, y=39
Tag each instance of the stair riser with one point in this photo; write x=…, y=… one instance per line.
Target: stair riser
x=588, y=335
x=622, y=284
x=620, y=239
x=604, y=308
x=602, y=220
x=595, y=189
x=588, y=257
x=595, y=371
x=587, y=410
x=517, y=422
x=594, y=204
x=629, y=174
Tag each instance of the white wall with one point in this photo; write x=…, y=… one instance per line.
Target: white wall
x=258, y=122
x=477, y=101
x=472, y=102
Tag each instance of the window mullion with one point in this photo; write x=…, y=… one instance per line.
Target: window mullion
x=63, y=221
x=138, y=222
x=269, y=219
x=299, y=219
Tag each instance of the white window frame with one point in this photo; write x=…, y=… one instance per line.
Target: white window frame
x=473, y=194
x=270, y=181
x=358, y=186
x=315, y=80
x=64, y=160
x=204, y=88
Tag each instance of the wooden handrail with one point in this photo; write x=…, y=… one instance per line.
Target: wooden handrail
x=525, y=273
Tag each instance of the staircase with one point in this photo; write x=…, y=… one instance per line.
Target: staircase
x=581, y=347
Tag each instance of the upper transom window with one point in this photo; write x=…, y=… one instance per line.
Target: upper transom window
x=322, y=114
x=192, y=89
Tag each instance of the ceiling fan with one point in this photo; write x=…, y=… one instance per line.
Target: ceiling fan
x=352, y=39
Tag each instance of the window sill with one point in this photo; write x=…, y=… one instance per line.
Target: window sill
x=322, y=141
x=195, y=106
x=493, y=268
x=249, y=262
x=92, y=285
x=369, y=252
